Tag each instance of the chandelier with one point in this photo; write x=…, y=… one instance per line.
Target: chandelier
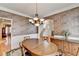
x=36, y=20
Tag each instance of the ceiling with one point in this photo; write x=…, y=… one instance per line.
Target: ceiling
x=29, y=8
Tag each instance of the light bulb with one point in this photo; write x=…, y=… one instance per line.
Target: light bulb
x=36, y=18
x=30, y=20
x=41, y=19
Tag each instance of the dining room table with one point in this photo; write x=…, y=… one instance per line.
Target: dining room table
x=39, y=49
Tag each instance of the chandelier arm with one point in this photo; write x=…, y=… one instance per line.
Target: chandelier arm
x=36, y=20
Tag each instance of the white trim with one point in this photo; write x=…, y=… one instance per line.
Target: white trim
x=70, y=38
x=62, y=37
x=5, y=18
x=12, y=11
x=63, y=9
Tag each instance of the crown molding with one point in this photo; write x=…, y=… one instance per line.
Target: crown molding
x=54, y=12
x=63, y=9
x=12, y=11
x=5, y=18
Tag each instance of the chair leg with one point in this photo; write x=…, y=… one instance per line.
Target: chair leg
x=22, y=51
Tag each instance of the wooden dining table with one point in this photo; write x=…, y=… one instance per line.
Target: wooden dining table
x=42, y=49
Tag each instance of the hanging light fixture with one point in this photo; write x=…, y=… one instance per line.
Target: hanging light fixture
x=36, y=20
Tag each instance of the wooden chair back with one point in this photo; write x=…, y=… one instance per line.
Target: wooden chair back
x=23, y=50
x=26, y=37
x=48, y=38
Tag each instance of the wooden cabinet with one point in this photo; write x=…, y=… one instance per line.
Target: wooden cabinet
x=69, y=47
x=74, y=47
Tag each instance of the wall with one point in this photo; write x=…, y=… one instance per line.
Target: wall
x=20, y=24
x=66, y=21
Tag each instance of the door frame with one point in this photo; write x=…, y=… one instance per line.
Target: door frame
x=4, y=18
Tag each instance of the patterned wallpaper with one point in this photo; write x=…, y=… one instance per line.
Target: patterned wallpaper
x=20, y=24
x=66, y=21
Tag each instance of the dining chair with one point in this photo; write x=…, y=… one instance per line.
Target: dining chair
x=26, y=37
x=23, y=50
x=48, y=38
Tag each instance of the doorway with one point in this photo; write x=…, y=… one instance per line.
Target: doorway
x=5, y=30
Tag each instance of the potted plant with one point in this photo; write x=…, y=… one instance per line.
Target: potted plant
x=66, y=34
